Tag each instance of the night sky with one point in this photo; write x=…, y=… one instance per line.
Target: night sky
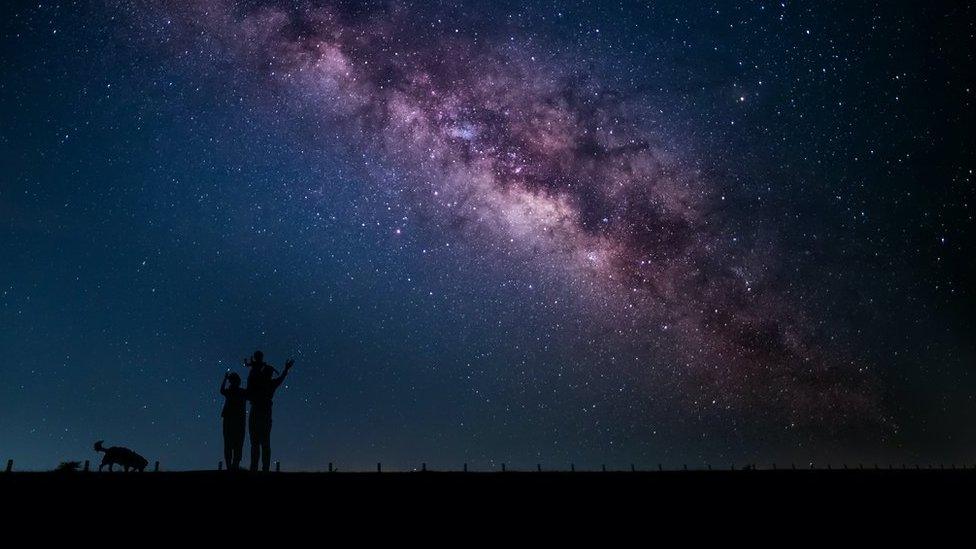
x=520, y=232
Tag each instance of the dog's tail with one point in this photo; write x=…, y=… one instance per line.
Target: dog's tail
x=99, y=447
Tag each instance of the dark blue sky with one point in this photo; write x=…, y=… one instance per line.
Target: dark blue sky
x=176, y=193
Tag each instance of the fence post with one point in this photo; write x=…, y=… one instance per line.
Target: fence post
x=632, y=468
x=774, y=467
x=465, y=467
x=379, y=467
x=220, y=465
x=684, y=467
x=572, y=467
x=503, y=467
x=10, y=465
x=330, y=466
x=659, y=468
x=603, y=468
x=277, y=466
x=156, y=467
x=86, y=465
x=538, y=467
x=423, y=467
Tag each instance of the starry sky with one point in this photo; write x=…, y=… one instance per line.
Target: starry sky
x=544, y=232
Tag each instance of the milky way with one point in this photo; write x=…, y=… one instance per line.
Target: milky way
x=532, y=154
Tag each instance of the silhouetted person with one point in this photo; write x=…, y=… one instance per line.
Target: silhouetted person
x=261, y=385
x=234, y=412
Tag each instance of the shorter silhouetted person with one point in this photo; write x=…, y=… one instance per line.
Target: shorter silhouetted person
x=261, y=386
x=234, y=412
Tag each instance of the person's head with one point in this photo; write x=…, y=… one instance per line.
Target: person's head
x=258, y=357
x=234, y=379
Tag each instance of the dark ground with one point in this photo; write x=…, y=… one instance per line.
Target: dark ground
x=513, y=509
x=456, y=492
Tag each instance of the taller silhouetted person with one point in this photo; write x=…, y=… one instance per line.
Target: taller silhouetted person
x=261, y=386
x=234, y=418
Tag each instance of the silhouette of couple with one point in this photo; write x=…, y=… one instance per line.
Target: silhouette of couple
x=261, y=386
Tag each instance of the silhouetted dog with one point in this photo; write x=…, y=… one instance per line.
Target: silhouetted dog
x=121, y=456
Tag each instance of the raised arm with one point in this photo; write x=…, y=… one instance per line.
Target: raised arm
x=223, y=386
x=276, y=382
